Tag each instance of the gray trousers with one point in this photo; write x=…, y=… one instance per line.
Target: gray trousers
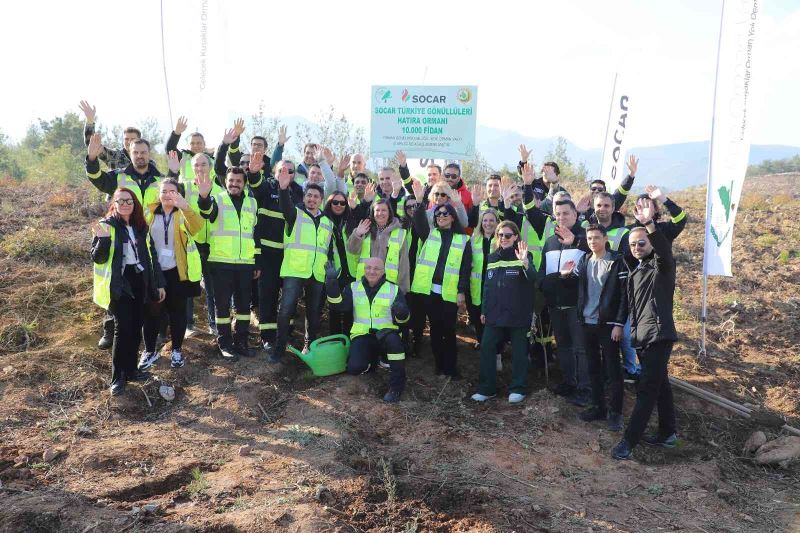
x=569, y=342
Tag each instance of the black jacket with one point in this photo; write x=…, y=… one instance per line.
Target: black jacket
x=650, y=288
x=423, y=229
x=271, y=223
x=153, y=277
x=558, y=291
x=613, y=307
x=507, y=299
x=106, y=180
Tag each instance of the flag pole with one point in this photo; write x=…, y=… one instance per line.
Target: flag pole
x=608, y=124
x=704, y=303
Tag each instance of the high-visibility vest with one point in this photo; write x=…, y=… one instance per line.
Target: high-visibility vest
x=396, y=238
x=187, y=170
x=401, y=207
x=373, y=315
x=484, y=206
x=271, y=213
x=536, y=241
x=192, y=196
x=230, y=236
x=305, y=249
x=614, y=235
x=150, y=192
x=194, y=269
x=426, y=265
x=476, y=274
x=101, y=289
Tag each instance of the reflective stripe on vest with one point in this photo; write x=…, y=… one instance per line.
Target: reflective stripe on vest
x=150, y=192
x=426, y=265
x=375, y=315
x=396, y=238
x=192, y=196
x=484, y=206
x=187, y=169
x=101, y=280
x=615, y=237
x=231, y=234
x=306, y=248
x=536, y=241
x=476, y=273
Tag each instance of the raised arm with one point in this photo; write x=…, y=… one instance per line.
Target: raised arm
x=105, y=181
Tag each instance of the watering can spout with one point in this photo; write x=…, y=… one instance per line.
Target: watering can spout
x=298, y=353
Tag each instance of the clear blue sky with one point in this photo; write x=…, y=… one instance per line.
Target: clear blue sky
x=543, y=68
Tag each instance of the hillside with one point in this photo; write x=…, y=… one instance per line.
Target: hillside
x=248, y=447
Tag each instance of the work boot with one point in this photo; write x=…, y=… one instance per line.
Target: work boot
x=117, y=387
x=664, y=442
x=622, y=450
x=392, y=396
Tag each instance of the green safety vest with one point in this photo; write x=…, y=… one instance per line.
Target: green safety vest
x=401, y=207
x=484, y=206
x=194, y=269
x=614, y=235
x=192, y=195
x=150, y=192
x=426, y=265
x=372, y=315
x=476, y=275
x=187, y=170
x=231, y=234
x=101, y=289
x=306, y=247
x=536, y=241
x=396, y=238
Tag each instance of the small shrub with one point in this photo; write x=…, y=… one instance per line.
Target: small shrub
x=199, y=483
x=301, y=436
x=42, y=244
x=783, y=257
x=767, y=240
x=18, y=337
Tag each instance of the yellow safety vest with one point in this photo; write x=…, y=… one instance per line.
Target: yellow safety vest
x=476, y=274
x=484, y=206
x=373, y=315
x=305, y=250
x=426, y=265
x=536, y=241
x=150, y=192
x=192, y=196
x=396, y=239
x=101, y=290
x=231, y=233
x=187, y=170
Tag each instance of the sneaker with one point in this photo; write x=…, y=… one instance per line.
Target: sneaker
x=499, y=362
x=148, y=359
x=581, y=399
x=476, y=346
x=117, y=387
x=478, y=397
x=392, y=396
x=593, y=414
x=384, y=365
x=268, y=347
x=631, y=378
x=515, y=397
x=622, y=450
x=564, y=389
x=139, y=376
x=106, y=341
x=212, y=330
x=228, y=353
x=615, y=422
x=664, y=442
x=177, y=359
x=190, y=331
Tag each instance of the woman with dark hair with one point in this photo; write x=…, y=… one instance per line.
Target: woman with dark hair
x=441, y=277
x=126, y=276
x=339, y=213
x=506, y=309
x=382, y=236
x=172, y=224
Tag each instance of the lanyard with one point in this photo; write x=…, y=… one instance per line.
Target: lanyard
x=132, y=243
x=167, y=222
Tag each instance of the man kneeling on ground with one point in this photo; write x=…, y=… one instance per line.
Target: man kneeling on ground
x=378, y=307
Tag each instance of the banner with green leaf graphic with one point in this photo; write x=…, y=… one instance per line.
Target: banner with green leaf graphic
x=423, y=121
x=730, y=136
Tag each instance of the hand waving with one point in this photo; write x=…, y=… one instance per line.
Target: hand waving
x=363, y=227
x=418, y=189
x=522, y=253
x=565, y=235
x=282, y=137
x=524, y=154
x=369, y=192
x=644, y=211
x=203, y=185
x=528, y=173
x=181, y=125
x=173, y=163
x=633, y=164
x=229, y=136
x=95, y=147
x=284, y=178
x=238, y=127
x=329, y=156
x=477, y=192
x=256, y=162
x=567, y=268
x=89, y=111
x=100, y=230
x=401, y=158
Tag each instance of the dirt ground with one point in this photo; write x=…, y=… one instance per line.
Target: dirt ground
x=249, y=447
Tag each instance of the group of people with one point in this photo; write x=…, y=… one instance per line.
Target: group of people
x=522, y=258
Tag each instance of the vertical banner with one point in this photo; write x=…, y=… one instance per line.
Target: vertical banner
x=730, y=130
x=613, y=169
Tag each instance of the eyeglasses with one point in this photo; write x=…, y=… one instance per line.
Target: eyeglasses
x=598, y=189
x=641, y=243
x=505, y=235
x=340, y=203
x=290, y=171
x=440, y=194
x=124, y=201
x=409, y=207
x=451, y=176
x=440, y=214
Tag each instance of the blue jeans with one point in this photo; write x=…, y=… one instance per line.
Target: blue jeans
x=209, y=290
x=629, y=362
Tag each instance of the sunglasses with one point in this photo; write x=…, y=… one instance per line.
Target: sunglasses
x=598, y=189
x=290, y=171
x=451, y=176
x=641, y=243
x=440, y=194
x=440, y=214
x=124, y=201
x=340, y=203
x=504, y=235
x=409, y=207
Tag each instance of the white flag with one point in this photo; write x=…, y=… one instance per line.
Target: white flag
x=730, y=132
x=613, y=169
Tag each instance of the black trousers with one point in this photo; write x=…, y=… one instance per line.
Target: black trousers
x=269, y=286
x=654, y=391
x=366, y=350
x=174, y=305
x=236, y=283
x=443, y=316
x=340, y=322
x=128, y=316
x=605, y=366
x=416, y=303
x=293, y=288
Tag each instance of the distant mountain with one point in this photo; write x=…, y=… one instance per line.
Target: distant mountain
x=672, y=166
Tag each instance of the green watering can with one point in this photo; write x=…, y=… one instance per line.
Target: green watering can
x=326, y=356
